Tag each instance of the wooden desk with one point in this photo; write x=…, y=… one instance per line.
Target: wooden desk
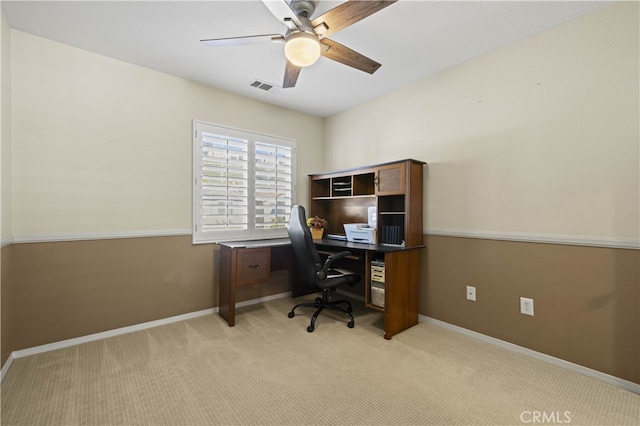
x=250, y=262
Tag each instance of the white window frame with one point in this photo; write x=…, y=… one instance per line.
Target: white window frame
x=201, y=236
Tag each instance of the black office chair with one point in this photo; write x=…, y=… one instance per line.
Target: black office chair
x=315, y=272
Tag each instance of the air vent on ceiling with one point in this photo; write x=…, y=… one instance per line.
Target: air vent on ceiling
x=267, y=87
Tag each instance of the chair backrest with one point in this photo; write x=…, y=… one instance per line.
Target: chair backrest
x=309, y=262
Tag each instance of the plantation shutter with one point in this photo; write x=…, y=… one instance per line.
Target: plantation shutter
x=243, y=184
x=273, y=184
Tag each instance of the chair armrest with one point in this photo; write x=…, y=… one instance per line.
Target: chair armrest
x=322, y=273
x=336, y=256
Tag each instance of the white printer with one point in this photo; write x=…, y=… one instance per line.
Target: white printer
x=362, y=232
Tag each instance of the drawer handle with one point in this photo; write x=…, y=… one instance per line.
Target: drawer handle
x=253, y=266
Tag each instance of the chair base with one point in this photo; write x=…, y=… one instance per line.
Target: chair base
x=320, y=304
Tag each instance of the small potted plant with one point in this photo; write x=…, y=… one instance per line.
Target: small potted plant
x=317, y=225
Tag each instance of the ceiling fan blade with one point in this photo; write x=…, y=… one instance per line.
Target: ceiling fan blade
x=340, y=17
x=243, y=41
x=344, y=55
x=283, y=13
x=291, y=73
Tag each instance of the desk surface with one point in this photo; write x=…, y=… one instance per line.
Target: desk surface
x=383, y=248
x=274, y=242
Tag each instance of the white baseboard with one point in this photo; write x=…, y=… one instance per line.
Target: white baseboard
x=262, y=299
x=130, y=329
x=98, y=336
x=598, y=375
x=6, y=366
x=607, y=378
x=124, y=330
x=110, y=333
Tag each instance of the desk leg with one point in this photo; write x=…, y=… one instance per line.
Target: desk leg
x=227, y=291
x=401, y=288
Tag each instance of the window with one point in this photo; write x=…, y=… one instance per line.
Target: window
x=243, y=184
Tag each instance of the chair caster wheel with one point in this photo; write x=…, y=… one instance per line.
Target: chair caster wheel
x=318, y=300
x=290, y=314
x=350, y=324
x=310, y=329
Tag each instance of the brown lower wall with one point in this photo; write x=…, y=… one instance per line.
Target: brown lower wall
x=586, y=299
x=6, y=341
x=62, y=290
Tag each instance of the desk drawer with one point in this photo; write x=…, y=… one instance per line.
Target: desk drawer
x=253, y=266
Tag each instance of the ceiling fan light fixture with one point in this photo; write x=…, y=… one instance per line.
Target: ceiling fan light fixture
x=302, y=49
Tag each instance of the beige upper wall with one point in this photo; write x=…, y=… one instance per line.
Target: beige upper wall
x=5, y=129
x=538, y=138
x=101, y=146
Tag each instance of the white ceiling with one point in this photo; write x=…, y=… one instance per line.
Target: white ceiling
x=411, y=39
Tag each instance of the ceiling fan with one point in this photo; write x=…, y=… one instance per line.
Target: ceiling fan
x=306, y=39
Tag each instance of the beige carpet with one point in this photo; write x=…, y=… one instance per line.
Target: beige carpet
x=269, y=370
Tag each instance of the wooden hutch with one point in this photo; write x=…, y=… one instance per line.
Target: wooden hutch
x=395, y=189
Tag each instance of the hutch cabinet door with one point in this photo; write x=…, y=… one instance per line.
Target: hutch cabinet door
x=390, y=179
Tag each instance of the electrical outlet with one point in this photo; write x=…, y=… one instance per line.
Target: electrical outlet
x=471, y=293
x=526, y=306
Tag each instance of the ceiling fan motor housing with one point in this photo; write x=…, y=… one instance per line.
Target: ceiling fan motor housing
x=303, y=8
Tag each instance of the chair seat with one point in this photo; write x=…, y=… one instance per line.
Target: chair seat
x=343, y=277
x=337, y=272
